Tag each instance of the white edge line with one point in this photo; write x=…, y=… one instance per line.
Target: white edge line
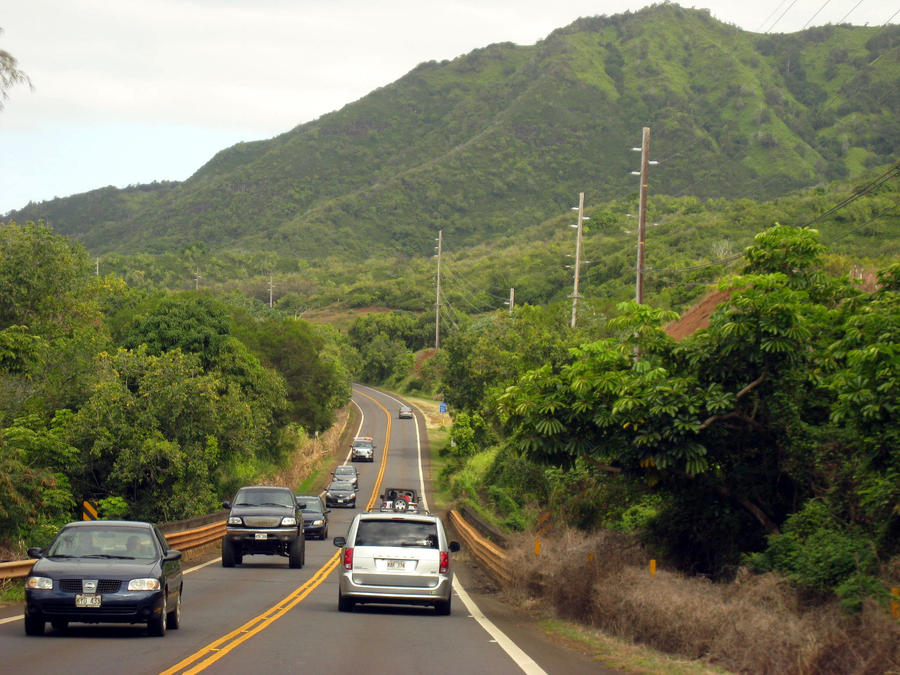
x=521, y=659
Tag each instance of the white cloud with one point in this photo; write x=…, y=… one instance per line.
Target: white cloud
x=234, y=70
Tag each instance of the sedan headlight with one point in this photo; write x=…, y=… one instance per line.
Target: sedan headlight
x=235, y=520
x=143, y=585
x=39, y=583
x=318, y=523
x=288, y=521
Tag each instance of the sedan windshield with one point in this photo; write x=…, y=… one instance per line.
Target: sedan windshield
x=311, y=504
x=341, y=485
x=104, y=542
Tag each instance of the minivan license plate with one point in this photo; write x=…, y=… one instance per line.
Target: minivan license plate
x=396, y=564
x=87, y=600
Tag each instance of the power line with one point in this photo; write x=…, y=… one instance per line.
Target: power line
x=851, y=11
x=816, y=14
x=782, y=16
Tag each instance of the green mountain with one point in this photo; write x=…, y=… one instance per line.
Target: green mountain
x=506, y=137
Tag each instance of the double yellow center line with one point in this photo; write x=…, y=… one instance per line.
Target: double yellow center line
x=214, y=651
x=219, y=648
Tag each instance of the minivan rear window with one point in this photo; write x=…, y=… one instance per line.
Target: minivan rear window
x=396, y=533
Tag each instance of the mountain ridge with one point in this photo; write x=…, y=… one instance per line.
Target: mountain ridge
x=506, y=134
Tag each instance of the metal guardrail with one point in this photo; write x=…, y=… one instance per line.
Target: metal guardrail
x=491, y=556
x=184, y=540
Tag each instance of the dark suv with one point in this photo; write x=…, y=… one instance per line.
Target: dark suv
x=264, y=520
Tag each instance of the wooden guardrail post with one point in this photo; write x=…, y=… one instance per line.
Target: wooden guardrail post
x=895, y=603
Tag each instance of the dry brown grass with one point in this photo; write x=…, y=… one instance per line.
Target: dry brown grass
x=755, y=625
x=306, y=458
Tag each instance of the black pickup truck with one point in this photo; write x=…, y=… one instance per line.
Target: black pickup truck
x=264, y=520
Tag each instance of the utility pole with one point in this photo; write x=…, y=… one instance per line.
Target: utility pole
x=197, y=279
x=642, y=213
x=271, y=286
x=437, y=304
x=96, y=267
x=512, y=299
x=575, y=295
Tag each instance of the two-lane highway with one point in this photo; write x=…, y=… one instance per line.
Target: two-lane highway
x=262, y=616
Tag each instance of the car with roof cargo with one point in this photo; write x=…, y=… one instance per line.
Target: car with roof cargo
x=395, y=558
x=104, y=571
x=263, y=520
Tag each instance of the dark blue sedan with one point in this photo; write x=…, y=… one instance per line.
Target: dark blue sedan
x=105, y=571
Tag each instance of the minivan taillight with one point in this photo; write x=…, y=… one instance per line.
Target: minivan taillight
x=445, y=562
x=348, y=559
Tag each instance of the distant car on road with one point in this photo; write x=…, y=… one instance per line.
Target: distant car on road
x=397, y=559
x=104, y=571
x=340, y=493
x=315, y=516
x=263, y=520
x=362, y=448
x=405, y=412
x=347, y=472
x=400, y=500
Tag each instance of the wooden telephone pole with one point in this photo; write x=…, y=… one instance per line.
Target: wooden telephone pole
x=642, y=215
x=437, y=303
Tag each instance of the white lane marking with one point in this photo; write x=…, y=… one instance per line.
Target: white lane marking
x=521, y=659
x=201, y=565
x=11, y=619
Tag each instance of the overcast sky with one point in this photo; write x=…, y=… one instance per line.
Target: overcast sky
x=132, y=91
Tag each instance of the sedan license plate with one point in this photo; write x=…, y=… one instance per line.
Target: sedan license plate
x=92, y=601
x=395, y=564
x=261, y=535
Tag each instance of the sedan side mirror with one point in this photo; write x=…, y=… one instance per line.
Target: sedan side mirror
x=226, y=505
x=172, y=554
x=340, y=542
x=35, y=552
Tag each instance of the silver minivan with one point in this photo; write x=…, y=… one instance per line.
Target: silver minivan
x=396, y=559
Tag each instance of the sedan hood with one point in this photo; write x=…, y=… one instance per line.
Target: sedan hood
x=104, y=568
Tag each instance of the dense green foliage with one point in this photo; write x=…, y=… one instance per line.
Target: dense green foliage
x=784, y=408
x=156, y=405
x=505, y=137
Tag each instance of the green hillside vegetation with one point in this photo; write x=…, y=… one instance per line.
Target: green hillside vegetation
x=501, y=139
x=767, y=439
x=157, y=405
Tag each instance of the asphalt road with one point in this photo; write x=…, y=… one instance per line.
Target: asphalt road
x=262, y=617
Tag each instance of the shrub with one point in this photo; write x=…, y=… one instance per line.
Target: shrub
x=818, y=553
